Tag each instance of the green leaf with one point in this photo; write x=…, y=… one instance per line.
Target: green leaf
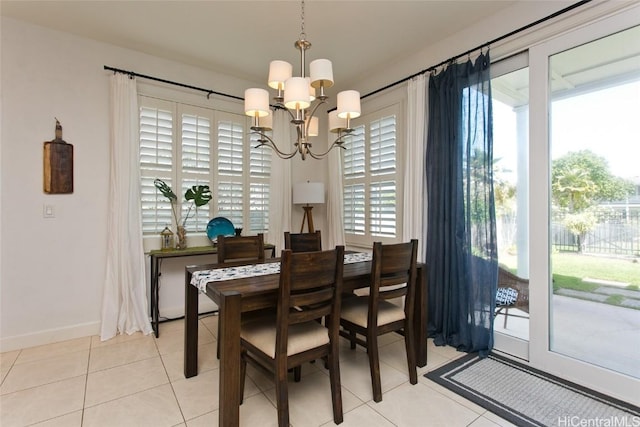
x=200, y=194
x=165, y=190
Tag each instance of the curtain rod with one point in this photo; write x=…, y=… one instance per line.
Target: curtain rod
x=208, y=91
x=483, y=45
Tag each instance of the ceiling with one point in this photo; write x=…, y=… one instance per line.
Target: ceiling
x=360, y=37
x=241, y=37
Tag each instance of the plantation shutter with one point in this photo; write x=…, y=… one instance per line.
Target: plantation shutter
x=259, y=172
x=354, y=202
x=230, y=170
x=196, y=164
x=372, y=190
x=188, y=145
x=382, y=167
x=156, y=159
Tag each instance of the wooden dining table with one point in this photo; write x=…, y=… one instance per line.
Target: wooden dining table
x=239, y=295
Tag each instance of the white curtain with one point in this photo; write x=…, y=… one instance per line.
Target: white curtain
x=335, y=235
x=280, y=183
x=124, y=305
x=414, y=175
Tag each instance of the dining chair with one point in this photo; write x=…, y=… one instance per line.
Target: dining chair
x=237, y=248
x=310, y=287
x=393, y=275
x=513, y=292
x=303, y=242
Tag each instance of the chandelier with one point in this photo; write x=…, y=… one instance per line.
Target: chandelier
x=297, y=95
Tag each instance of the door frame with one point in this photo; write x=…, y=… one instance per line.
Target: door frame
x=612, y=383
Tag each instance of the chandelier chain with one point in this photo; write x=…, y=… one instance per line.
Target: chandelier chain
x=303, y=35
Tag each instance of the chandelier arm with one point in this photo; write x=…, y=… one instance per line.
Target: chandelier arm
x=335, y=143
x=290, y=113
x=313, y=113
x=273, y=146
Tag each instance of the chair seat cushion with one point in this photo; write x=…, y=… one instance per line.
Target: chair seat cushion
x=506, y=296
x=355, y=311
x=302, y=336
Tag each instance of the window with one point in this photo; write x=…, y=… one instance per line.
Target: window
x=185, y=146
x=370, y=184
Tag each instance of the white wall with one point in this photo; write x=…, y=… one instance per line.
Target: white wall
x=52, y=272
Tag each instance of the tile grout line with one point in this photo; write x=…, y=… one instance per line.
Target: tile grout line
x=173, y=391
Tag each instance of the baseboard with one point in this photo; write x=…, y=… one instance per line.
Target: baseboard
x=49, y=336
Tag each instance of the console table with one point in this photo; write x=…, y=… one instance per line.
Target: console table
x=156, y=257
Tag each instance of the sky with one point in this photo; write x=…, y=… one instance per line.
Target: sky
x=607, y=122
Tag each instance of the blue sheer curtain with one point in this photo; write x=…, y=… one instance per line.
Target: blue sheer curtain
x=461, y=252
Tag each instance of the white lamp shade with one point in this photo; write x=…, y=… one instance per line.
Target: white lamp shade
x=279, y=72
x=312, y=94
x=296, y=94
x=349, y=104
x=266, y=122
x=308, y=193
x=321, y=72
x=336, y=124
x=312, y=129
x=256, y=102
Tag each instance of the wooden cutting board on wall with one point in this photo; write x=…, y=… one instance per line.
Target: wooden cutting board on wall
x=58, y=165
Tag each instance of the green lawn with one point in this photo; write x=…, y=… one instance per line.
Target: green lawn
x=569, y=269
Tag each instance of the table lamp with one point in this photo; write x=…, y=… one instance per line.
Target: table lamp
x=307, y=193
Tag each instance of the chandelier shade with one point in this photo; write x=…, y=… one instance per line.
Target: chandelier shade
x=336, y=124
x=349, y=104
x=312, y=126
x=299, y=96
x=279, y=72
x=296, y=95
x=321, y=72
x=256, y=102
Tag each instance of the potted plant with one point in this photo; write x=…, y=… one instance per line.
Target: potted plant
x=198, y=195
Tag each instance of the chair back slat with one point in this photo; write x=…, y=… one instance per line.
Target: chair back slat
x=393, y=293
x=313, y=270
x=311, y=297
x=310, y=288
x=303, y=242
x=240, y=248
x=393, y=275
x=310, y=313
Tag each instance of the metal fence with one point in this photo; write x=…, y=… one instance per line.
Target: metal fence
x=617, y=232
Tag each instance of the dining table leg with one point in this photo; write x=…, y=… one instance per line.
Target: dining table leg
x=190, y=327
x=230, y=312
x=155, y=297
x=420, y=325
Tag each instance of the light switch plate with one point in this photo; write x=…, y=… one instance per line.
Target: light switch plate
x=48, y=211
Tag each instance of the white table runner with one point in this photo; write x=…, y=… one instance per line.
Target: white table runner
x=201, y=278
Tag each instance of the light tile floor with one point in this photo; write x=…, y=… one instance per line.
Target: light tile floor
x=137, y=381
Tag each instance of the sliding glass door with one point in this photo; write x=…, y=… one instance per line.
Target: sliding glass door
x=510, y=97
x=584, y=206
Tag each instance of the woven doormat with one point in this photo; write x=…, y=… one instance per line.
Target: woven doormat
x=529, y=397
